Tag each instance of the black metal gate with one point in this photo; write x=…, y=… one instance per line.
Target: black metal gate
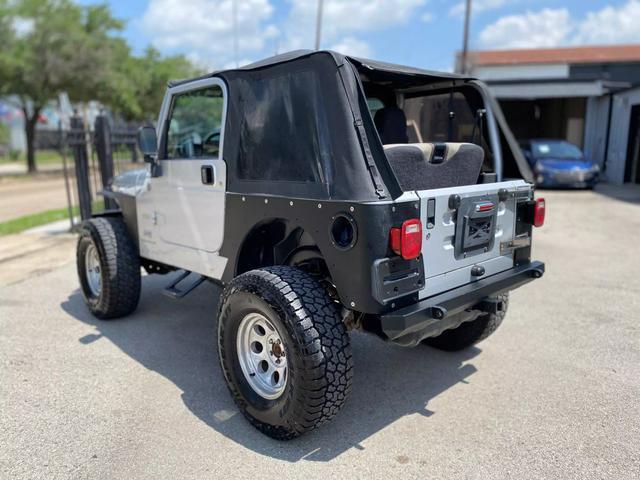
x=98, y=155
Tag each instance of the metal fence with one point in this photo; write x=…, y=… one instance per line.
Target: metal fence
x=91, y=158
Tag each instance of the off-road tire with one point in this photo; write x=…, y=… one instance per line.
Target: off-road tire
x=318, y=349
x=470, y=333
x=119, y=267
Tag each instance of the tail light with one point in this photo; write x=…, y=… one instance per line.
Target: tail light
x=406, y=241
x=538, y=212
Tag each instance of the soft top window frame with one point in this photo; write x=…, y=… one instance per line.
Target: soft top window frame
x=167, y=107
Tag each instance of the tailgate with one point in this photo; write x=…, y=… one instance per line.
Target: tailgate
x=468, y=231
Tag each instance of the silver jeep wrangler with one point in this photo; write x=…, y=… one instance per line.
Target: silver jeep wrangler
x=324, y=193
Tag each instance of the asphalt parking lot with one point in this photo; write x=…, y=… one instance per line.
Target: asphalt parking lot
x=555, y=393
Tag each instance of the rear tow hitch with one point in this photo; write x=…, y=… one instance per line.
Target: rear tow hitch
x=491, y=305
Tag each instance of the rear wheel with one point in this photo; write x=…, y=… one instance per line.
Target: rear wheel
x=284, y=351
x=470, y=333
x=108, y=268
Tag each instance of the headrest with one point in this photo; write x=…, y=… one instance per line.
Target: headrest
x=430, y=152
x=391, y=124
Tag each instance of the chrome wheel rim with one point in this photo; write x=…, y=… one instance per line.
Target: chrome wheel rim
x=93, y=270
x=262, y=356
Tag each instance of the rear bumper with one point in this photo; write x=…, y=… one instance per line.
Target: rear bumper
x=429, y=317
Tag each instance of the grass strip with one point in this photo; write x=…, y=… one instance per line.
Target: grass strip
x=21, y=224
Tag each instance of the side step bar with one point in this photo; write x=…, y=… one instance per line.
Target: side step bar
x=172, y=290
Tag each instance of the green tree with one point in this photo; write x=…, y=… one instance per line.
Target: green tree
x=136, y=85
x=54, y=46
x=159, y=70
x=51, y=46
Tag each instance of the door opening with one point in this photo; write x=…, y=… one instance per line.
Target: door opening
x=632, y=165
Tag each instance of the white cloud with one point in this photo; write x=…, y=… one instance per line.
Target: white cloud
x=556, y=27
x=611, y=25
x=204, y=28
x=344, y=18
x=478, y=6
x=352, y=46
x=427, y=17
x=546, y=28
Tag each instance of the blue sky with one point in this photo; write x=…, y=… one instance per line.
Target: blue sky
x=424, y=33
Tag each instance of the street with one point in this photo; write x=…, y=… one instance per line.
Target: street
x=555, y=393
x=26, y=196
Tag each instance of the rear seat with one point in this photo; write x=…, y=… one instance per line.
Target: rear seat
x=423, y=166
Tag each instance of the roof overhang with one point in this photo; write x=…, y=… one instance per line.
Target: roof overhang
x=522, y=90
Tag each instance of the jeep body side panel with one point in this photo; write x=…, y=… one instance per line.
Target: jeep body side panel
x=350, y=269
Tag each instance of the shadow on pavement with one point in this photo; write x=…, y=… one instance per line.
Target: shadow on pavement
x=177, y=340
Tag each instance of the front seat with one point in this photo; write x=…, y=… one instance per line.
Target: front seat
x=391, y=124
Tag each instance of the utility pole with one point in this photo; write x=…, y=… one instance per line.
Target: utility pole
x=319, y=24
x=234, y=13
x=464, y=60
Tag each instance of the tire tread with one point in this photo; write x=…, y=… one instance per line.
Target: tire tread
x=121, y=290
x=324, y=343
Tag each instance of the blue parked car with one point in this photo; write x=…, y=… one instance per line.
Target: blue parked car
x=558, y=163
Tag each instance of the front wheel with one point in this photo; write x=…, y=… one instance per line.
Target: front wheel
x=108, y=268
x=470, y=333
x=284, y=351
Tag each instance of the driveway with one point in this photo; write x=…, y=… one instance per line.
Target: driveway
x=553, y=394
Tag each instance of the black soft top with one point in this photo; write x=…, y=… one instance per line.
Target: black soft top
x=363, y=64
x=298, y=125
